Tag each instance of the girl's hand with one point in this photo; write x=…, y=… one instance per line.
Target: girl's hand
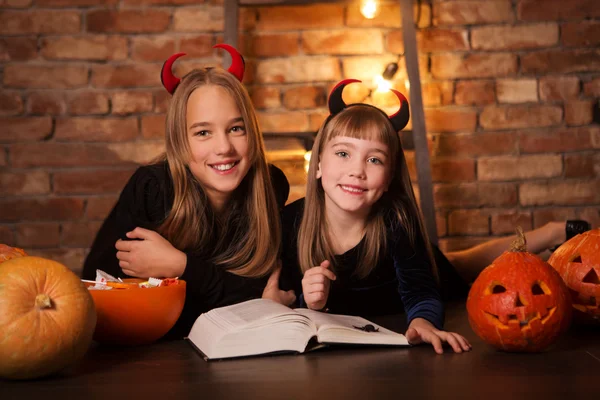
x=422, y=331
x=273, y=292
x=315, y=285
x=153, y=256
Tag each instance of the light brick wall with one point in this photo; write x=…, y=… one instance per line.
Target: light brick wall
x=509, y=88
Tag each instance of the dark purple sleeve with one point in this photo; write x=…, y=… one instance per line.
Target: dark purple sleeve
x=417, y=285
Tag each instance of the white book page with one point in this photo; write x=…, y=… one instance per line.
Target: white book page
x=252, y=327
x=265, y=339
x=249, y=313
x=334, y=328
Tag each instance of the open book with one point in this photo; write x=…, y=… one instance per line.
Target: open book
x=263, y=326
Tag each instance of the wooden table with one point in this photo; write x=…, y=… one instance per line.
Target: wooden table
x=570, y=370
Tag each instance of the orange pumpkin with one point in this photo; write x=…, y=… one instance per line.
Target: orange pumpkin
x=47, y=318
x=578, y=262
x=519, y=303
x=7, y=253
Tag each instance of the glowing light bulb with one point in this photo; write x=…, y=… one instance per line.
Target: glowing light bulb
x=383, y=85
x=369, y=8
x=307, y=160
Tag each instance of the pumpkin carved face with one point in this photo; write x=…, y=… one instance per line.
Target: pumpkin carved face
x=519, y=303
x=578, y=263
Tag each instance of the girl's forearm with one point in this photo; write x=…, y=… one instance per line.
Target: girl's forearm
x=470, y=262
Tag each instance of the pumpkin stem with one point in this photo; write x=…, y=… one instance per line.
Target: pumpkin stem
x=520, y=243
x=43, y=301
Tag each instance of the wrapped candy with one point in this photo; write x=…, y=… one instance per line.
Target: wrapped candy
x=106, y=281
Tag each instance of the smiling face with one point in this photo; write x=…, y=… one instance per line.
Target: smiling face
x=354, y=174
x=218, y=142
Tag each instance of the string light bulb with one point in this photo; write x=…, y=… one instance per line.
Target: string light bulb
x=369, y=8
x=307, y=160
x=390, y=71
x=382, y=84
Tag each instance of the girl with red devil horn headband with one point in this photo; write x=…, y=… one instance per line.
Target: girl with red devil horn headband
x=208, y=210
x=356, y=244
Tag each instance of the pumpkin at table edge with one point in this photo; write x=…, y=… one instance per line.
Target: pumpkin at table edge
x=578, y=263
x=47, y=318
x=519, y=303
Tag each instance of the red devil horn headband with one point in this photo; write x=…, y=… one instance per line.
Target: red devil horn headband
x=336, y=104
x=170, y=81
x=237, y=61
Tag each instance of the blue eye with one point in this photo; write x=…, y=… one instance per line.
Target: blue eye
x=375, y=161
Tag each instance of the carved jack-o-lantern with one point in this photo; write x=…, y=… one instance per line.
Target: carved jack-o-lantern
x=519, y=303
x=578, y=262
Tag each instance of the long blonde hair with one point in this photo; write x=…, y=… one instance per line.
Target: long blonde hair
x=398, y=203
x=191, y=223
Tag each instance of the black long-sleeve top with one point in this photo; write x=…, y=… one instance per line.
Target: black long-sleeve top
x=145, y=202
x=402, y=277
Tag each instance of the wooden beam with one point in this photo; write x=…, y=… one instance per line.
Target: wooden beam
x=418, y=119
x=230, y=34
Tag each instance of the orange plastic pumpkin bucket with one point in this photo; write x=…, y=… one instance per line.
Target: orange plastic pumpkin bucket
x=136, y=316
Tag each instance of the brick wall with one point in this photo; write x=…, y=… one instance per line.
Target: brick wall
x=509, y=88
